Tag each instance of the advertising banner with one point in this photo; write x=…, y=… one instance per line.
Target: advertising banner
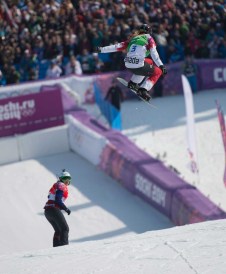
x=31, y=112
x=191, y=206
x=191, y=136
x=212, y=74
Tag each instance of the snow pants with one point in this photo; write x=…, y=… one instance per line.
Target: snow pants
x=147, y=75
x=59, y=224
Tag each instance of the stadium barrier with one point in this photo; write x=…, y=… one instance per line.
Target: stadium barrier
x=43, y=142
x=84, y=141
x=34, y=144
x=9, y=150
x=191, y=206
x=140, y=173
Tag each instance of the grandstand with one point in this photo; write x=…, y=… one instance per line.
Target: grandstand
x=34, y=33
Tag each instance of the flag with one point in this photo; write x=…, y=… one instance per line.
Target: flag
x=220, y=115
x=191, y=139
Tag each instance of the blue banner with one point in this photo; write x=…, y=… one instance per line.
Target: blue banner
x=112, y=115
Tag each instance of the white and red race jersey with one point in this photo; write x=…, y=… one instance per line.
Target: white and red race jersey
x=58, y=193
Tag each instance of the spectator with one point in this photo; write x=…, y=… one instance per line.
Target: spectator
x=39, y=48
x=25, y=65
x=73, y=67
x=189, y=69
x=59, y=60
x=210, y=35
x=17, y=56
x=213, y=46
x=97, y=39
x=98, y=65
x=87, y=61
x=162, y=44
x=33, y=71
x=12, y=76
x=176, y=50
x=2, y=79
x=54, y=70
x=69, y=45
x=222, y=48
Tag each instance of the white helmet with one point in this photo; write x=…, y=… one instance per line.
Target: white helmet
x=64, y=175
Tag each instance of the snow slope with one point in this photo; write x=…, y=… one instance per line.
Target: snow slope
x=198, y=248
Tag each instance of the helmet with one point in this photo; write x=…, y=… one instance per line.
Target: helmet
x=145, y=29
x=64, y=175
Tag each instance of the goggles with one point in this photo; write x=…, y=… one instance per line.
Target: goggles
x=64, y=179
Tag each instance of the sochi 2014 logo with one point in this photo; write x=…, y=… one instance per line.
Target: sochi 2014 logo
x=17, y=110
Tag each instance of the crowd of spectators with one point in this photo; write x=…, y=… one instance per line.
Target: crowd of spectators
x=50, y=38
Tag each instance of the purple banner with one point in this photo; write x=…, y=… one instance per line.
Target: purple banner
x=212, y=74
x=190, y=206
x=68, y=101
x=31, y=112
x=140, y=173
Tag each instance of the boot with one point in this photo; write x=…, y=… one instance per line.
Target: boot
x=56, y=239
x=133, y=86
x=142, y=92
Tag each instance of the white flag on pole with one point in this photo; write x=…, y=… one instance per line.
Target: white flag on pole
x=191, y=139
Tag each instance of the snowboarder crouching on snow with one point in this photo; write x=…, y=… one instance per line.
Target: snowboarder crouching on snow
x=57, y=195
x=146, y=71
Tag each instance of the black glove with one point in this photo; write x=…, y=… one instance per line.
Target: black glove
x=68, y=211
x=163, y=69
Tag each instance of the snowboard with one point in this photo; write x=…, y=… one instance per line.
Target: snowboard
x=125, y=83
